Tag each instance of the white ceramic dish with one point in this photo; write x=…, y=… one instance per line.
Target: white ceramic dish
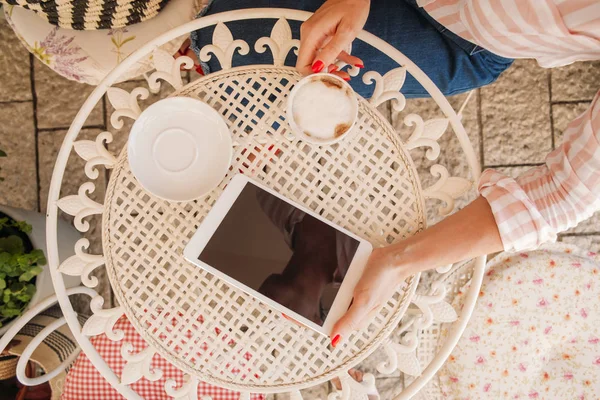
x=323, y=109
x=179, y=149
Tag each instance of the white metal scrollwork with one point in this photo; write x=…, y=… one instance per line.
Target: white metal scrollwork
x=95, y=153
x=82, y=264
x=168, y=69
x=387, y=87
x=353, y=390
x=139, y=365
x=103, y=321
x=223, y=47
x=125, y=104
x=280, y=42
x=81, y=206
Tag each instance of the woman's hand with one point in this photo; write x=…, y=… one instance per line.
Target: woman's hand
x=468, y=233
x=325, y=36
x=382, y=276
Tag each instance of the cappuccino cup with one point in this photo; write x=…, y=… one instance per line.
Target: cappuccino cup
x=322, y=109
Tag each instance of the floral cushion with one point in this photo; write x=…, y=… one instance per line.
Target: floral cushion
x=88, y=56
x=535, y=331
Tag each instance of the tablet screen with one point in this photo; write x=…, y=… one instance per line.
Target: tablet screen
x=281, y=252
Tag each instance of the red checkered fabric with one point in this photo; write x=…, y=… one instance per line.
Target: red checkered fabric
x=84, y=382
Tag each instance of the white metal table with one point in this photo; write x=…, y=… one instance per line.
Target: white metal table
x=366, y=183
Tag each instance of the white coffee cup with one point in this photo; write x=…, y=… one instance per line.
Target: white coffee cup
x=322, y=109
x=179, y=149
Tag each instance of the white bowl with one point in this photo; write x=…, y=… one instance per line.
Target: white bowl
x=179, y=149
x=323, y=112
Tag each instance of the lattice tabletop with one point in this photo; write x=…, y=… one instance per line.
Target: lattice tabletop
x=216, y=333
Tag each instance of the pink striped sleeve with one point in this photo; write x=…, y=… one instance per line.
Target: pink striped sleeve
x=554, y=197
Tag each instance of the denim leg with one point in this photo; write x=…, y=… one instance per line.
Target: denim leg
x=453, y=64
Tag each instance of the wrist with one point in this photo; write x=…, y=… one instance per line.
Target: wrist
x=403, y=257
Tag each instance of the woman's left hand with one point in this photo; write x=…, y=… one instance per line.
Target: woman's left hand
x=326, y=35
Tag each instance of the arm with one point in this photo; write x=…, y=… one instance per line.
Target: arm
x=466, y=234
x=554, y=197
x=513, y=215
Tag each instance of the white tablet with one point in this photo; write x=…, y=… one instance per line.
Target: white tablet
x=280, y=252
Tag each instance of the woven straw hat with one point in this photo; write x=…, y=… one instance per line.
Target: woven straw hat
x=92, y=14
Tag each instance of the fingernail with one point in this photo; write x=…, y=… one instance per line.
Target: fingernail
x=336, y=340
x=318, y=66
x=359, y=65
x=347, y=78
x=333, y=68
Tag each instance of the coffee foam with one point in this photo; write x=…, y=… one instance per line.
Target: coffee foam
x=324, y=108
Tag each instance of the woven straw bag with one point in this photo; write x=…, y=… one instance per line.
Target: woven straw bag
x=92, y=14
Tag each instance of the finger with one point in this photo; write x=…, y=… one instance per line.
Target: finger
x=342, y=74
x=291, y=319
x=190, y=53
x=350, y=59
x=311, y=40
x=344, y=35
x=356, y=375
x=350, y=320
x=184, y=47
x=362, y=324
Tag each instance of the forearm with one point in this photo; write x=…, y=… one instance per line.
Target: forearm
x=468, y=233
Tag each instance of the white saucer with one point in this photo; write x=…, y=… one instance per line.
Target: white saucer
x=179, y=149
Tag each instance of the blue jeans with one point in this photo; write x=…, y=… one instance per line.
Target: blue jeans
x=454, y=64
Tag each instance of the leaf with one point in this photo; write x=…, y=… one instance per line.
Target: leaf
x=23, y=226
x=127, y=40
x=119, y=98
x=2, y=153
x=12, y=245
x=112, y=39
x=2, y=284
x=222, y=37
x=86, y=149
x=435, y=128
x=456, y=186
x=443, y=312
x=281, y=32
x=394, y=79
x=29, y=275
x=38, y=256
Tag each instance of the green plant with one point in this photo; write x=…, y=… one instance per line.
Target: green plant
x=18, y=268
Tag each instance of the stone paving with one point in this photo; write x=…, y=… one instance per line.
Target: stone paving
x=512, y=123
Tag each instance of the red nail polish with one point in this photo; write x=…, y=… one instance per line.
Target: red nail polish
x=333, y=68
x=359, y=65
x=318, y=66
x=336, y=340
x=347, y=79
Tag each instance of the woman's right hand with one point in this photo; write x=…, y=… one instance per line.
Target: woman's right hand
x=325, y=36
x=466, y=234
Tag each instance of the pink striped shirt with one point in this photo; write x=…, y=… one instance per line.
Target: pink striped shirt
x=545, y=200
